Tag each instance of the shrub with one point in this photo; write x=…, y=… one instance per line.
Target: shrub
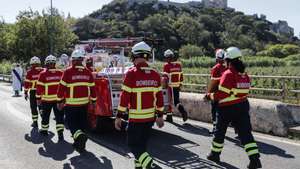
x=5, y=67
x=189, y=51
x=280, y=50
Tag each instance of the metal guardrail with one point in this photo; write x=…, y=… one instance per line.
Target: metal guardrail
x=288, y=87
x=5, y=78
x=283, y=93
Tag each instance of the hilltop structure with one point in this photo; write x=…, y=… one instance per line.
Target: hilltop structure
x=204, y=3
x=282, y=27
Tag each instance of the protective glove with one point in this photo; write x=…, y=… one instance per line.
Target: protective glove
x=160, y=122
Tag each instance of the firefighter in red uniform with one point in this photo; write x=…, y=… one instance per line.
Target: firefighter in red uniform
x=142, y=97
x=76, y=90
x=46, y=94
x=30, y=87
x=233, y=107
x=174, y=70
x=215, y=74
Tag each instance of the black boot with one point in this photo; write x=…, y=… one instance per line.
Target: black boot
x=34, y=124
x=60, y=136
x=215, y=157
x=79, y=143
x=169, y=118
x=184, y=114
x=254, y=163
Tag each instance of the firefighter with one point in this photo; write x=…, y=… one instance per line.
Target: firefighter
x=174, y=70
x=215, y=74
x=30, y=87
x=233, y=107
x=46, y=95
x=76, y=90
x=89, y=63
x=142, y=96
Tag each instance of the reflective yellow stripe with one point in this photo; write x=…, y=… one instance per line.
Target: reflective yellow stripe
x=40, y=83
x=77, y=133
x=252, y=152
x=217, y=144
x=93, y=98
x=143, y=156
x=250, y=145
x=52, y=84
x=137, y=164
x=218, y=150
x=121, y=108
x=80, y=84
x=139, y=101
x=231, y=98
x=146, y=162
x=60, y=127
x=160, y=108
x=141, y=116
x=240, y=91
x=135, y=111
x=73, y=101
x=146, y=89
x=126, y=88
x=233, y=90
x=45, y=127
x=224, y=89
x=63, y=83
x=38, y=96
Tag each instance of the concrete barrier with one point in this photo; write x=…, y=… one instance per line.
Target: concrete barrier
x=272, y=117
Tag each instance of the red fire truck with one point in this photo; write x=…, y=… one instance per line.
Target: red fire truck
x=108, y=88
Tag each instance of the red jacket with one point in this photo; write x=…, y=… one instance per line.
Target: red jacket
x=234, y=88
x=142, y=94
x=31, y=78
x=175, y=72
x=77, y=86
x=217, y=71
x=47, y=85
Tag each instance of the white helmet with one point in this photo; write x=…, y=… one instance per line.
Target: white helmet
x=168, y=53
x=220, y=54
x=233, y=53
x=50, y=59
x=35, y=60
x=141, y=48
x=77, y=54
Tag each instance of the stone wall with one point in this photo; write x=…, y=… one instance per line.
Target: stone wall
x=272, y=117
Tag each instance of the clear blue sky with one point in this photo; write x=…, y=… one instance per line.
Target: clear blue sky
x=274, y=9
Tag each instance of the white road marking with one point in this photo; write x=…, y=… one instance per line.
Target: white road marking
x=15, y=112
x=256, y=135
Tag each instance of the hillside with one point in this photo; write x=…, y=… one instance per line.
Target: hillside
x=180, y=24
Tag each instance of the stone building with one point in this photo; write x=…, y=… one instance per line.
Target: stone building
x=215, y=3
x=282, y=27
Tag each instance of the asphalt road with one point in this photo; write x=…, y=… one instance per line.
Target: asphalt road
x=178, y=146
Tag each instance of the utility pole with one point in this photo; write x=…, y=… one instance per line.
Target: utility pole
x=51, y=28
